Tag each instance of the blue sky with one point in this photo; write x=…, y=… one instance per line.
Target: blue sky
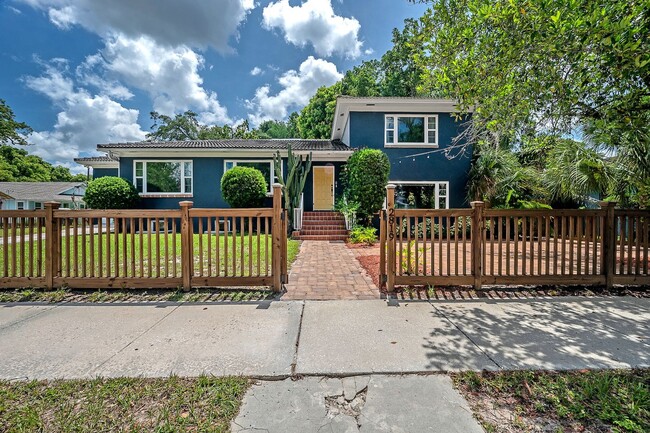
x=81, y=73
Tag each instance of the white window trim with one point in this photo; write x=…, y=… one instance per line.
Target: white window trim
x=23, y=203
x=435, y=183
x=270, y=161
x=426, y=130
x=162, y=194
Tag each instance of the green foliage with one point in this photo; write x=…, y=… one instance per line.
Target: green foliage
x=367, y=177
x=348, y=209
x=277, y=129
x=363, y=235
x=294, y=183
x=186, y=126
x=16, y=165
x=244, y=187
x=111, y=192
x=497, y=177
x=539, y=64
x=315, y=119
x=584, y=400
x=11, y=131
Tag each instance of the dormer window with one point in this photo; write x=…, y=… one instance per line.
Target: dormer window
x=411, y=130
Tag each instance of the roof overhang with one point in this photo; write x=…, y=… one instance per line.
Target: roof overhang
x=97, y=164
x=345, y=105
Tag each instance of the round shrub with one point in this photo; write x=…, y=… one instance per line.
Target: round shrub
x=367, y=177
x=111, y=192
x=244, y=187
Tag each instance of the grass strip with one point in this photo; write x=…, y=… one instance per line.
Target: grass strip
x=203, y=404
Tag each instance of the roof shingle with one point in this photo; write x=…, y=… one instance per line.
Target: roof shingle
x=241, y=144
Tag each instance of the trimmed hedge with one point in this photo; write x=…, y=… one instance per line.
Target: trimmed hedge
x=111, y=192
x=367, y=177
x=244, y=187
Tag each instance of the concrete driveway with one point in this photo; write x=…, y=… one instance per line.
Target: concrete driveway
x=280, y=339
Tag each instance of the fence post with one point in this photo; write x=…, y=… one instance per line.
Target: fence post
x=187, y=245
x=390, y=235
x=52, y=234
x=382, y=248
x=477, y=237
x=609, y=242
x=276, y=230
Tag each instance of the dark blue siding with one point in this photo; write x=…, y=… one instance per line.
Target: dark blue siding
x=102, y=172
x=367, y=130
x=207, y=183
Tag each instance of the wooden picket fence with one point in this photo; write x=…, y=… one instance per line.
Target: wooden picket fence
x=481, y=246
x=183, y=247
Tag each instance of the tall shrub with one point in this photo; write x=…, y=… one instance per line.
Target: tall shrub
x=111, y=192
x=244, y=187
x=367, y=177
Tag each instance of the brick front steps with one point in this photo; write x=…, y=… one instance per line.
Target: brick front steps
x=322, y=226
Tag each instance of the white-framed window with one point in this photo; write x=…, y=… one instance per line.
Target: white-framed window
x=20, y=205
x=161, y=177
x=38, y=205
x=265, y=166
x=421, y=194
x=412, y=130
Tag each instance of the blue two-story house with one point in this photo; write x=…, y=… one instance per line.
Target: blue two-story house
x=413, y=132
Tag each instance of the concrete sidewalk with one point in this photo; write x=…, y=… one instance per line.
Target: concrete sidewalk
x=281, y=339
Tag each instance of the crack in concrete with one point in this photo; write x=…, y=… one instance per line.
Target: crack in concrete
x=339, y=405
x=294, y=364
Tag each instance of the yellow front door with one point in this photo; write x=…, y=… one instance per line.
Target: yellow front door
x=323, y=188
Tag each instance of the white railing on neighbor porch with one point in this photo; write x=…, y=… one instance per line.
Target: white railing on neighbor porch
x=297, y=213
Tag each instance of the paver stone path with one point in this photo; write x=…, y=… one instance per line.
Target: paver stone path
x=328, y=270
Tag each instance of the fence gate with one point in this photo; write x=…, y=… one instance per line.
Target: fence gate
x=480, y=246
x=183, y=247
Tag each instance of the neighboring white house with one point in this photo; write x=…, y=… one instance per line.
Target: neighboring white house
x=32, y=195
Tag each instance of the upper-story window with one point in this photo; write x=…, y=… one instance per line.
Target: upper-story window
x=411, y=130
x=163, y=177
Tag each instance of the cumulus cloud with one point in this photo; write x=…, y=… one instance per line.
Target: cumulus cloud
x=84, y=120
x=170, y=75
x=256, y=71
x=196, y=23
x=314, y=22
x=297, y=88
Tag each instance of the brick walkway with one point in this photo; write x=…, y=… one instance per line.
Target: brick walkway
x=328, y=270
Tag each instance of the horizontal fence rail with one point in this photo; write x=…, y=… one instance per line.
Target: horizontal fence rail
x=480, y=246
x=182, y=247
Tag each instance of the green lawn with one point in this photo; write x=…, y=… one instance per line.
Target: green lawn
x=559, y=402
x=204, y=404
x=155, y=255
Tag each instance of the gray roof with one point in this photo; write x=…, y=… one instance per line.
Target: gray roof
x=103, y=158
x=41, y=191
x=239, y=144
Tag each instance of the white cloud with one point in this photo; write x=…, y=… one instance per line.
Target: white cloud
x=314, y=22
x=196, y=23
x=169, y=75
x=297, y=88
x=84, y=120
x=256, y=71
